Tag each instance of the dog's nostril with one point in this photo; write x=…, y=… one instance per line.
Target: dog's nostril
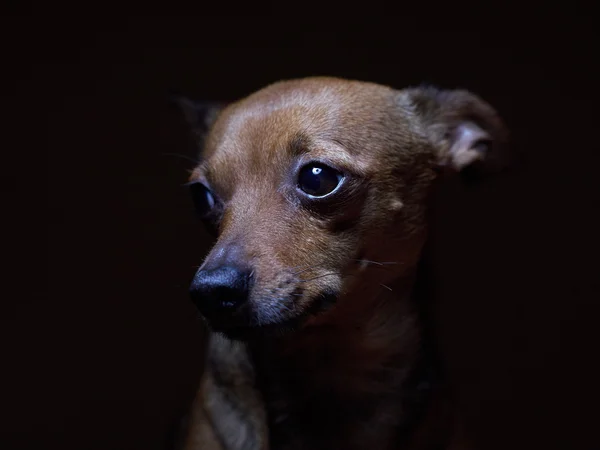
x=220, y=290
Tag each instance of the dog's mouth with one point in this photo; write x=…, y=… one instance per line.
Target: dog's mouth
x=244, y=327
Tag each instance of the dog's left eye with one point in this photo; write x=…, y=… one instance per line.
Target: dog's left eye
x=318, y=180
x=203, y=199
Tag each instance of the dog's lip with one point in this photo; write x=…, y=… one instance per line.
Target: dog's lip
x=238, y=331
x=249, y=332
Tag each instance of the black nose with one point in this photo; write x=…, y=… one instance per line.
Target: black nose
x=220, y=291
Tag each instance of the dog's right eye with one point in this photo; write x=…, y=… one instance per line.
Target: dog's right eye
x=204, y=200
x=318, y=180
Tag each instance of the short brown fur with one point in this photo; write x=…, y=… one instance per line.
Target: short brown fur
x=343, y=375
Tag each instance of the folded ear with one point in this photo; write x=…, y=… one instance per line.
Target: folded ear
x=199, y=116
x=466, y=131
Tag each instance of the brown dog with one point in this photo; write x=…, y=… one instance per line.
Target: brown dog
x=317, y=190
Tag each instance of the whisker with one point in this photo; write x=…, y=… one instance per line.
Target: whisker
x=318, y=276
x=387, y=287
x=378, y=263
x=195, y=161
x=331, y=273
x=302, y=271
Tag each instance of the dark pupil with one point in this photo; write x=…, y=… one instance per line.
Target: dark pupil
x=318, y=180
x=202, y=198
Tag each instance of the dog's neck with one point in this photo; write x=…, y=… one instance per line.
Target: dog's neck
x=354, y=373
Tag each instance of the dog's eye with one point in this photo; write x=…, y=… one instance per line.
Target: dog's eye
x=318, y=180
x=203, y=199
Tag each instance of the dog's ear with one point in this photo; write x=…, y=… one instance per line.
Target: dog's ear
x=199, y=116
x=467, y=132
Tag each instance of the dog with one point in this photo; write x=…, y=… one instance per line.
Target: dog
x=317, y=191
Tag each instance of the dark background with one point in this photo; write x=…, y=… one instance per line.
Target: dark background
x=104, y=350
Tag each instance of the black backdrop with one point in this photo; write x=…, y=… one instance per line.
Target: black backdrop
x=107, y=352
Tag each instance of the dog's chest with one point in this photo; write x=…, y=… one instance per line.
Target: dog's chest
x=317, y=416
x=331, y=392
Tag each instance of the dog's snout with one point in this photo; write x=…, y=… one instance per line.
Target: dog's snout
x=220, y=291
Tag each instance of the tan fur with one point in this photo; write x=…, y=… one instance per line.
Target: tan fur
x=364, y=244
x=227, y=393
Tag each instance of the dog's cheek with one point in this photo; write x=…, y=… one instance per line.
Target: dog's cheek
x=393, y=231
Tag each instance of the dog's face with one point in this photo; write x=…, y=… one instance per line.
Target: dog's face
x=317, y=190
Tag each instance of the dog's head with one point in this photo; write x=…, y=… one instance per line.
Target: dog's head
x=317, y=188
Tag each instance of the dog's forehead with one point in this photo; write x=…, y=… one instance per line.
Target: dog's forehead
x=267, y=120
x=267, y=128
